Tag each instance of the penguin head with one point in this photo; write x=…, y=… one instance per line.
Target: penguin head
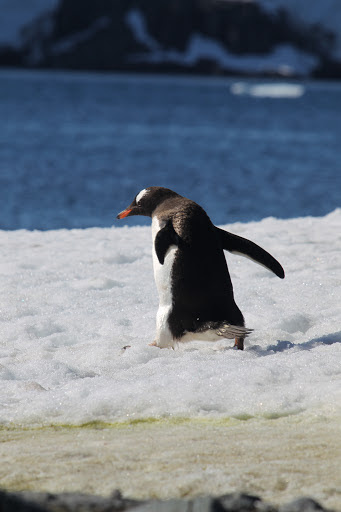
x=146, y=201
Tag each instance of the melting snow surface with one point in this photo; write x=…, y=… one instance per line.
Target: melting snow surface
x=71, y=300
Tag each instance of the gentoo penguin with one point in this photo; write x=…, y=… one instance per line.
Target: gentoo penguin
x=196, y=299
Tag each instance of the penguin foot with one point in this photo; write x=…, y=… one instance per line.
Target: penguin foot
x=239, y=343
x=154, y=344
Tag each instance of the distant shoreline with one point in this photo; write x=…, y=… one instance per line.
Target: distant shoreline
x=176, y=71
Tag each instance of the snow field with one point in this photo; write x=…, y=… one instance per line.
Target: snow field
x=71, y=300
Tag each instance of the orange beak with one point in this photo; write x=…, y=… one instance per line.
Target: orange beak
x=123, y=214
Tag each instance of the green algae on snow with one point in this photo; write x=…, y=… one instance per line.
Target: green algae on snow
x=149, y=421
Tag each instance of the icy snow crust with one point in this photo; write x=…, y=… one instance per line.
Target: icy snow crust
x=72, y=299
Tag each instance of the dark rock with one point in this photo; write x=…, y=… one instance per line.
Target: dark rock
x=165, y=506
x=328, y=68
x=301, y=505
x=236, y=502
x=17, y=503
x=205, y=504
x=10, y=57
x=64, y=502
x=77, y=502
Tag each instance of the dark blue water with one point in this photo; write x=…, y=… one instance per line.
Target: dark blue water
x=76, y=148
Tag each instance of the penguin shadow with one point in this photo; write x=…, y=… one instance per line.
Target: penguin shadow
x=283, y=345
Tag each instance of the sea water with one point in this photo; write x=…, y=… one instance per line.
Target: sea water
x=75, y=148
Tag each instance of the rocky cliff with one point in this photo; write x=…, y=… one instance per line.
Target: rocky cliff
x=198, y=36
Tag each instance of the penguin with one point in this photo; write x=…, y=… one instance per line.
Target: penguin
x=196, y=300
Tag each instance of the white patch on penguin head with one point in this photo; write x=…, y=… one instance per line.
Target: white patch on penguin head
x=141, y=194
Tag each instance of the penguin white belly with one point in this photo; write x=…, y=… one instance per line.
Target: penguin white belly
x=208, y=335
x=162, y=276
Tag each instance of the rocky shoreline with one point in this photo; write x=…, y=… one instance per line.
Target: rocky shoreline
x=76, y=502
x=278, y=460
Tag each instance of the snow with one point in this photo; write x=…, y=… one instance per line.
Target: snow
x=327, y=14
x=15, y=14
x=78, y=308
x=284, y=59
x=67, y=43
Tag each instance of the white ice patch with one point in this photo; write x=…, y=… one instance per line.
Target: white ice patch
x=137, y=23
x=283, y=90
x=70, y=300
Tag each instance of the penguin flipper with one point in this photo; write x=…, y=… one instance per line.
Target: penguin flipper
x=166, y=237
x=239, y=245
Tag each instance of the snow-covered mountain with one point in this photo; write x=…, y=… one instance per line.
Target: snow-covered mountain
x=277, y=37
x=16, y=14
x=325, y=14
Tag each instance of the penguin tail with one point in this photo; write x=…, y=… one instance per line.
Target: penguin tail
x=233, y=331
